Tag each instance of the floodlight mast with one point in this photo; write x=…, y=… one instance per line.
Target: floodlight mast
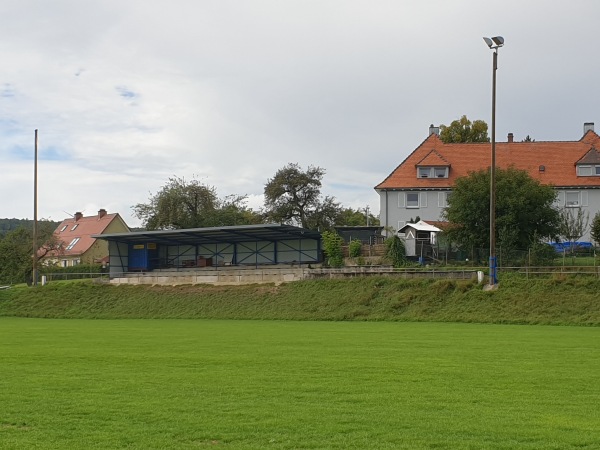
x=494, y=44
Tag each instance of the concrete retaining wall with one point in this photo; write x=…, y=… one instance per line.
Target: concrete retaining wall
x=348, y=272
x=277, y=275
x=209, y=276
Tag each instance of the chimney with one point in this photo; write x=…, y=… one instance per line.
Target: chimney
x=588, y=126
x=101, y=213
x=434, y=130
x=511, y=137
x=78, y=216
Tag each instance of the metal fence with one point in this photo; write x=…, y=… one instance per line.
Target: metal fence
x=533, y=257
x=63, y=276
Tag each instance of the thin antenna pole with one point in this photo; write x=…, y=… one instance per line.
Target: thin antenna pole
x=35, y=191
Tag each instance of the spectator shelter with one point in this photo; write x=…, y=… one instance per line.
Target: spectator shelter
x=250, y=245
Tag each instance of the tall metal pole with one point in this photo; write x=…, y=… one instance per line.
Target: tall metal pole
x=34, y=273
x=493, y=265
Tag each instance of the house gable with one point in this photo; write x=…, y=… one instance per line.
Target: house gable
x=76, y=235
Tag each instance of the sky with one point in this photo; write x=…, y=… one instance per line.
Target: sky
x=127, y=94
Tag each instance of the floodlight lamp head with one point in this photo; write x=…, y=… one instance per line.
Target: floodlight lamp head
x=495, y=42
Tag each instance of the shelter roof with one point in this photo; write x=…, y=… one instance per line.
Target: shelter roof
x=229, y=235
x=419, y=226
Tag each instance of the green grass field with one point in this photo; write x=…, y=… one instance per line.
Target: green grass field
x=182, y=384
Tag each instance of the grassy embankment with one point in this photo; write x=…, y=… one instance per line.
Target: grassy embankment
x=558, y=301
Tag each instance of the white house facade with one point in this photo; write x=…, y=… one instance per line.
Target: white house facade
x=420, y=185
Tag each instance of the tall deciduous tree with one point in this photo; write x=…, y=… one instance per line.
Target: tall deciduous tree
x=191, y=204
x=463, y=130
x=293, y=196
x=16, y=248
x=524, y=209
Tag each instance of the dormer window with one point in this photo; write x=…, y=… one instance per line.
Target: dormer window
x=588, y=170
x=440, y=172
x=584, y=171
x=432, y=172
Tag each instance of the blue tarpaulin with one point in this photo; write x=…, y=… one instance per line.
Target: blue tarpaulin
x=562, y=247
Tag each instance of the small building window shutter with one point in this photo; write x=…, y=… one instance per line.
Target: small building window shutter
x=401, y=200
x=423, y=199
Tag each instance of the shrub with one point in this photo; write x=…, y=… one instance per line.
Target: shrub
x=541, y=254
x=395, y=251
x=332, y=245
x=354, y=248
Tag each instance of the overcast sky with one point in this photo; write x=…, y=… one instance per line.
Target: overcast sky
x=126, y=94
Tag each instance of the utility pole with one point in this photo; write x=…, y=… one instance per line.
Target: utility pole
x=34, y=273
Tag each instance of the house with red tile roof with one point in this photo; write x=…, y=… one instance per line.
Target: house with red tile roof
x=420, y=185
x=79, y=247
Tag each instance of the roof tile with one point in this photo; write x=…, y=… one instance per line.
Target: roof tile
x=557, y=158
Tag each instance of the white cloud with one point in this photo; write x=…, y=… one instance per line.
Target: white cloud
x=127, y=94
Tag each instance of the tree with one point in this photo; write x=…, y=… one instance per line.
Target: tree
x=463, y=130
x=573, y=224
x=350, y=217
x=524, y=209
x=7, y=225
x=16, y=248
x=293, y=196
x=332, y=246
x=354, y=248
x=595, y=228
x=191, y=204
x=528, y=139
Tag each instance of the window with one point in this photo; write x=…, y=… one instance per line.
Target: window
x=74, y=227
x=432, y=172
x=588, y=171
x=412, y=199
x=443, y=199
x=76, y=262
x=440, y=172
x=72, y=244
x=572, y=200
x=63, y=228
x=64, y=263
